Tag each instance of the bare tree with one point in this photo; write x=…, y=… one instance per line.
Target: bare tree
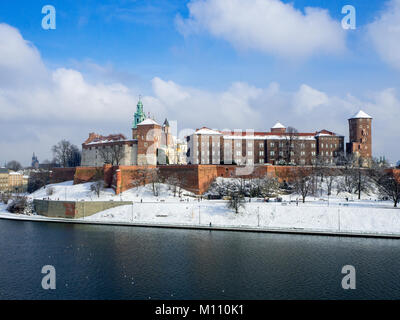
x=291, y=146
x=302, y=180
x=268, y=186
x=235, y=202
x=117, y=154
x=173, y=182
x=14, y=165
x=38, y=179
x=330, y=177
x=66, y=154
x=105, y=154
x=355, y=179
x=154, y=179
x=98, y=182
x=388, y=183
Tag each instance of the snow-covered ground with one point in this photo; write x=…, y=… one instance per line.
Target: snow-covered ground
x=366, y=215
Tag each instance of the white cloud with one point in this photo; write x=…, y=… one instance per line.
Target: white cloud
x=269, y=26
x=307, y=99
x=38, y=111
x=384, y=33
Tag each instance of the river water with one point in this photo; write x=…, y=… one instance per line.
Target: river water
x=108, y=262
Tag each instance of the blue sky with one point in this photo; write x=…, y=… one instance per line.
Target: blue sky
x=141, y=46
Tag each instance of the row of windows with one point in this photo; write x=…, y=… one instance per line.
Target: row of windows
x=327, y=145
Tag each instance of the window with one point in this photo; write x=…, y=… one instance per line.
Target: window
x=261, y=145
x=249, y=153
x=261, y=161
x=272, y=153
x=261, y=153
x=313, y=153
x=238, y=144
x=238, y=153
x=322, y=145
x=272, y=144
x=312, y=145
x=281, y=153
x=250, y=144
x=302, y=145
x=303, y=153
x=302, y=161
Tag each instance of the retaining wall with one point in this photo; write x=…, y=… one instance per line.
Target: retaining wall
x=74, y=209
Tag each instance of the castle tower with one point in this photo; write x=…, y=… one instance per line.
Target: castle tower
x=139, y=117
x=148, y=134
x=278, y=128
x=360, y=137
x=167, y=139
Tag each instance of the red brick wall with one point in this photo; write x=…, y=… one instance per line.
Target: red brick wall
x=62, y=174
x=84, y=174
x=195, y=178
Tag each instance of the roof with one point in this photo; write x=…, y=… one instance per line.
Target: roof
x=361, y=115
x=205, y=130
x=3, y=170
x=97, y=138
x=147, y=122
x=278, y=125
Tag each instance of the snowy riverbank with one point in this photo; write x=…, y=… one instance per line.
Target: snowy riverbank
x=338, y=215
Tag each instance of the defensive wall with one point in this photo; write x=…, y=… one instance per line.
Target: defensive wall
x=194, y=178
x=73, y=209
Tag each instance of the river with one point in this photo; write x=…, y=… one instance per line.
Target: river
x=109, y=262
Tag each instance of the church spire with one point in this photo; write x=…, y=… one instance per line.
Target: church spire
x=139, y=114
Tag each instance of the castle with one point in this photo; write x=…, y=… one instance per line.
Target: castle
x=281, y=145
x=153, y=144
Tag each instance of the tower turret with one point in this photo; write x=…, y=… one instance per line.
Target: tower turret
x=360, y=137
x=139, y=117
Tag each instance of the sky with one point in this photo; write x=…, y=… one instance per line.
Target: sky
x=224, y=64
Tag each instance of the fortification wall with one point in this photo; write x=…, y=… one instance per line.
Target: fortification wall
x=195, y=178
x=74, y=209
x=62, y=174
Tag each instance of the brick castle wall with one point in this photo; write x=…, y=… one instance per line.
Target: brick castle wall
x=195, y=178
x=62, y=174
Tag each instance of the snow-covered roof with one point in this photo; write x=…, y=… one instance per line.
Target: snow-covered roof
x=13, y=173
x=207, y=131
x=147, y=122
x=108, y=141
x=278, y=125
x=361, y=115
x=267, y=137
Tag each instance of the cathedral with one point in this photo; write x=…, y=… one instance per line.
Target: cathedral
x=151, y=144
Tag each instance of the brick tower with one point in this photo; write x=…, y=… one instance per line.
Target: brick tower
x=360, y=137
x=148, y=134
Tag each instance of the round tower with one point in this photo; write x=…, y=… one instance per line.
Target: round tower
x=360, y=137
